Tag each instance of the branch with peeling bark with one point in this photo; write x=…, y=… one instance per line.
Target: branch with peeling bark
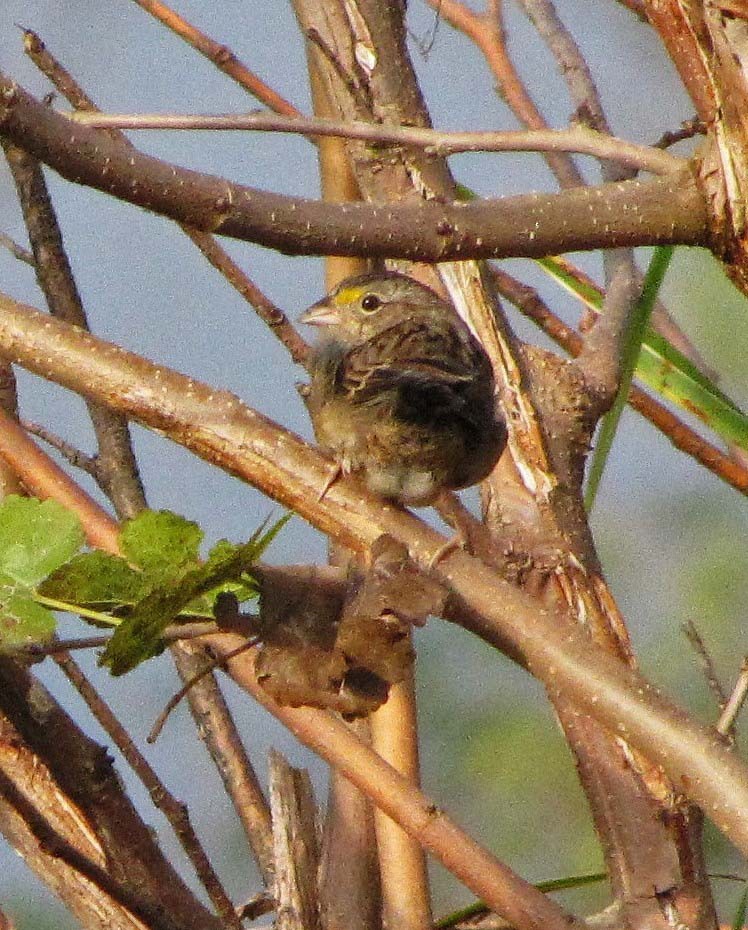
x=222, y=429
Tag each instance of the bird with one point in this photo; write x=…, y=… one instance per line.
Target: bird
x=401, y=393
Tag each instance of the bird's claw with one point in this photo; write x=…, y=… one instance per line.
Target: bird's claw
x=335, y=475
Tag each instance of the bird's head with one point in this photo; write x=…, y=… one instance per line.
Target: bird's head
x=362, y=306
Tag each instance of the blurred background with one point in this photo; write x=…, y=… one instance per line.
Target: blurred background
x=672, y=537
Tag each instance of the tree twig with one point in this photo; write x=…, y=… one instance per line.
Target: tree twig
x=582, y=141
x=487, y=32
x=217, y=729
x=707, y=663
x=733, y=706
x=175, y=812
x=221, y=56
x=116, y=469
x=207, y=669
x=669, y=209
x=17, y=251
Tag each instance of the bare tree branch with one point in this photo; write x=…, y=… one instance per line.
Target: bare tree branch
x=218, y=426
x=221, y=56
x=116, y=469
x=174, y=811
x=664, y=210
x=582, y=141
x=65, y=793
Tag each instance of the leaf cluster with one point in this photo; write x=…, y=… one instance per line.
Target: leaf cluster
x=158, y=579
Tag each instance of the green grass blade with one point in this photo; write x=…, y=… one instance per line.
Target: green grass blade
x=739, y=920
x=667, y=371
x=632, y=348
x=664, y=369
x=554, y=884
x=562, y=274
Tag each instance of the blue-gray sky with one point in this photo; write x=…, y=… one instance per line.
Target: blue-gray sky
x=144, y=286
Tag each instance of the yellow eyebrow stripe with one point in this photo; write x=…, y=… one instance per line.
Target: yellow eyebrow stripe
x=349, y=294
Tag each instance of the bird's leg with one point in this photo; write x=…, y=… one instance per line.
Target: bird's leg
x=470, y=534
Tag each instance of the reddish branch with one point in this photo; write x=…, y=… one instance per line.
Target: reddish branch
x=486, y=31
x=221, y=56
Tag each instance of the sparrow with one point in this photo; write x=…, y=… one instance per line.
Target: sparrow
x=401, y=393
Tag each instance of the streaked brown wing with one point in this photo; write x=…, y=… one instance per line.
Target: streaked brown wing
x=413, y=353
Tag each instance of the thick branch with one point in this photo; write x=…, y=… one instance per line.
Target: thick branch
x=70, y=790
x=218, y=427
x=663, y=210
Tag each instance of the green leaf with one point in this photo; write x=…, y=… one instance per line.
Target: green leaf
x=563, y=273
x=244, y=588
x=160, y=542
x=138, y=637
x=95, y=579
x=22, y=620
x=36, y=537
x=667, y=371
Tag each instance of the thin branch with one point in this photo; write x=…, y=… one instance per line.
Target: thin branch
x=268, y=312
x=571, y=63
x=221, y=56
x=218, y=731
x=349, y=884
x=487, y=32
x=218, y=257
x=582, y=141
x=116, y=467
x=174, y=811
x=689, y=128
x=707, y=663
x=174, y=701
x=609, y=356
x=728, y=717
x=663, y=210
x=257, y=906
x=50, y=67
x=73, y=456
x=349, y=877
x=176, y=633
x=70, y=780
x=17, y=251
x=602, y=358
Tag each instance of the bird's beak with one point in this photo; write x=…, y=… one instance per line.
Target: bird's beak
x=321, y=314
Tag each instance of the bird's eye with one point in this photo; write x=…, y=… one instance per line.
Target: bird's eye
x=370, y=303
